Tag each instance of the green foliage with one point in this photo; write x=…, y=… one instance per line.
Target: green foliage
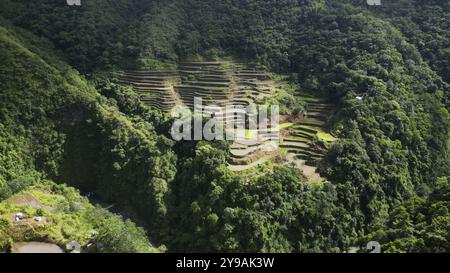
x=93, y=35
x=419, y=225
x=67, y=216
x=285, y=97
x=388, y=170
x=218, y=211
x=116, y=235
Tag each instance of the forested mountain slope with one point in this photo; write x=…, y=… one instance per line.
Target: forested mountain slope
x=387, y=173
x=55, y=126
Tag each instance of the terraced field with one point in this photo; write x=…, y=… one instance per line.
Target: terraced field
x=244, y=152
x=230, y=86
x=226, y=88
x=209, y=80
x=213, y=82
x=156, y=88
x=302, y=141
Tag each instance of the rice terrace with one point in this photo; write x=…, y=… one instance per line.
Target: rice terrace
x=224, y=135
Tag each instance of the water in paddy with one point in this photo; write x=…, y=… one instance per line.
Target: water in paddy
x=36, y=247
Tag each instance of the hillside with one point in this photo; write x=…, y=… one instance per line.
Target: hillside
x=43, y=102
x=86, y=94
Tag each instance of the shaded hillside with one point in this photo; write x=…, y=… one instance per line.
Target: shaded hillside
x=385, y=73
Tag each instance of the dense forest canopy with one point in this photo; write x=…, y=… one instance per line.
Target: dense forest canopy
x=63, y=118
